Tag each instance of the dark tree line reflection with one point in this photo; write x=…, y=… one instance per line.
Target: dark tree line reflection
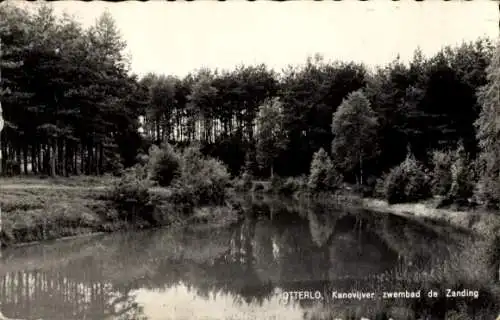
x=276, y=245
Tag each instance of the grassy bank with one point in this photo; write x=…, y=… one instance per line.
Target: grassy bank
x=36, y=210
x=476, y=219
x=45, y=181
x=481, y=222
x=35, y=214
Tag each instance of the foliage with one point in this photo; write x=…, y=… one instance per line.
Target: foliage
x=71, y=107
x=271, y=138
x=69, y=103
x=164, y=164
x=131, y=198
x=407, y=182
x=454, y=175
x=463, y=177
x=204, y=179
x=291, y=185
x=323, y=176
x=244, y=183
x=354, y=127
x=283, y=185
x=488, y=132
x=441, y=174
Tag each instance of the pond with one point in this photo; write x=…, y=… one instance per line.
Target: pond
x=281, y=261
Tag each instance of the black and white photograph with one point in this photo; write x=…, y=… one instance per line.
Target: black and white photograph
x=254, y=160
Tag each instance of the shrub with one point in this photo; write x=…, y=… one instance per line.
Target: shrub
x=164, y=165
x=487, y=190
x=276, y=183
x=292, y=185
x=407, y=182
x=130, y=196
x=441, y=173
x=286, y=186
x=258, y=187
x=379, y=190
x=243, y=183
x=142, y=159
x=369, y=189
x=138, y=171
x=206, y=179
x=323, y=175
x=462, y=178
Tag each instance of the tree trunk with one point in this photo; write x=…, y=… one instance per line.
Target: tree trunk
x=88, y=165
x=82, y=159
x=34, y=163
x=19, y=159
x=64, y=158
x=52, y=152
x=25, y=158
x=101, y=159
x=361, y=169
x=1, y=157
x=60, y=157
x=39, y=155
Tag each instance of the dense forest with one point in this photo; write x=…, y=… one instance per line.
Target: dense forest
x=72, y=106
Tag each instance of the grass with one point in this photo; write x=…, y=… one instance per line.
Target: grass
x=39, y=209
x=73, y=181
x=480, y=222
x=52, y=208
x=43, y=214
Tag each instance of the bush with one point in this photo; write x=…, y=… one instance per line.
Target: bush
x=369, y=189
x=463, y=178
x=130, y=196
x=285, y=186
x=276, y=183
x=243, y=183
x=137, y=171
x=206, y=179
x=323, y=176
x=164, y=165
x=258, y=187
x=453, y=176
x=441, y=173
x=379, y=190
x=407, y=182
x=142, y=159
x=292, y=185
x=487, y=190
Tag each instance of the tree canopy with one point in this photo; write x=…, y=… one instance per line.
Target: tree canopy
x=71, y=105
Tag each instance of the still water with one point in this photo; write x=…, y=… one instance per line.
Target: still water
x=247, y=270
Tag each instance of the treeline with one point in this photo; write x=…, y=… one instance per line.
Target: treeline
x=426, y=105
x=72, y=107
x=69, y=103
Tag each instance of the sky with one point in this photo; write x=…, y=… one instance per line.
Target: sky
x=178, y=37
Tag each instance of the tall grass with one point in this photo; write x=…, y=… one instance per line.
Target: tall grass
x=44, y=214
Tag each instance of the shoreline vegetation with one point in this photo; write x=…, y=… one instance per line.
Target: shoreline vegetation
x=40, y=209
x=417, y=138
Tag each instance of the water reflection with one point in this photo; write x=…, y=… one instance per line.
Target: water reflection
x=238, y=272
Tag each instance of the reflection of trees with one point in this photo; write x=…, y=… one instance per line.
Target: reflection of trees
x=322, y=223
x=57, y=294
x=317, y=249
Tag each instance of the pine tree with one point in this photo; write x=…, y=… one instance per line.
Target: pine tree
x=488, y=132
